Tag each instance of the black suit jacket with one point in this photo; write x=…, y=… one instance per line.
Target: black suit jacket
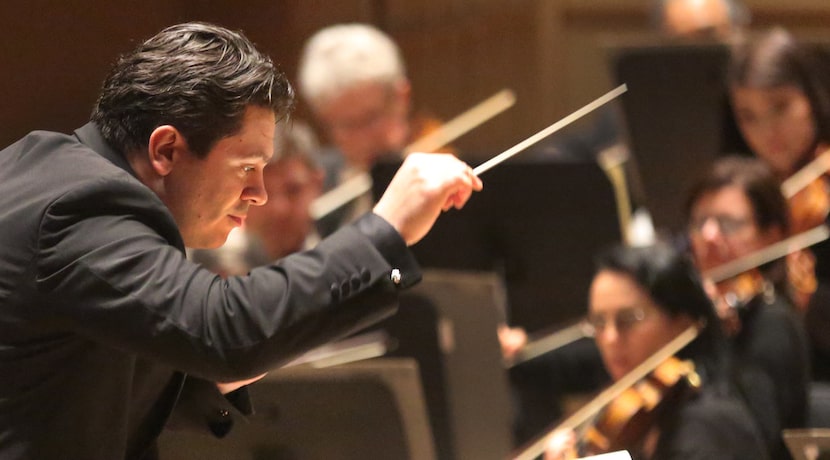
x=772, y=367
x=104, y=325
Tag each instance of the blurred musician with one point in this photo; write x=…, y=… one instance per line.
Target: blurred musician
x=780, y=93
x=293, y=179
x=736, y=209
x=640, y=299
x=354, y=79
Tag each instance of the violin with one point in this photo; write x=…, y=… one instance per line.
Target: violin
x=624, y=413
x=734, y=284
x=731, y=297
x=809, y=206
x=625, y=422
x=808, y=194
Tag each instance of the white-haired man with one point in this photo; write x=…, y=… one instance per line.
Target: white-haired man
x=354, y=80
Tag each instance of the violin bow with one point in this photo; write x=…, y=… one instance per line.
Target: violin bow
x=549, y=342
x=587, y=411
x=806, y=175
x=448, y=132
x=768, y=254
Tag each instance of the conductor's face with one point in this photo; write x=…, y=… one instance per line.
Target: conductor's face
x=210, y=196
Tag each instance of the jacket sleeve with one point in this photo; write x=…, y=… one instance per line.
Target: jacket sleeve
x=110, y=266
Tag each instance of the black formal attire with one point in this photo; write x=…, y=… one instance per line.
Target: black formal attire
x=817, y=316
x=772, y=361
x=708, y=423
x=710, y=426
x=105, y=327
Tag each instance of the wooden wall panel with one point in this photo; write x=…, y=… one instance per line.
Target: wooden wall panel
x=55, y=53
x=459, y=53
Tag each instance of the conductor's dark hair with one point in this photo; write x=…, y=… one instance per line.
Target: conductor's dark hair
x=197, y=77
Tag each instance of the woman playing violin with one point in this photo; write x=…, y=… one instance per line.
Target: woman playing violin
x=780, y=93
x=736, y=209
x=640, y=299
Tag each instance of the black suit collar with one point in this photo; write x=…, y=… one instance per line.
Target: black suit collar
x=90, y=135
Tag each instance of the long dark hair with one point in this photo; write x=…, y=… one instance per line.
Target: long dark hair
x=775, y=59
x=198, y=77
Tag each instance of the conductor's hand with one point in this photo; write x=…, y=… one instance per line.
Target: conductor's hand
x=512, y=339
x=425, y=184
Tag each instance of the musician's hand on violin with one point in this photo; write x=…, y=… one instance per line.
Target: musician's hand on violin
x=561, y=446
x=512, y=339
x=425, y=185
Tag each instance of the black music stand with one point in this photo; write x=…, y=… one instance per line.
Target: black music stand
x=677, y=116
x=366, y=410
x=448, y=324
x=537, y=224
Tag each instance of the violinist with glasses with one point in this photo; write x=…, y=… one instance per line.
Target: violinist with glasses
x=640, y=300
x=737, y=209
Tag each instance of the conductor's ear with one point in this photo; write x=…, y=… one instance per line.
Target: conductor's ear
x=165, y=147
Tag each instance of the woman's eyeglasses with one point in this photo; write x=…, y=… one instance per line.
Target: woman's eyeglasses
x=728, y=225
x=624, y=320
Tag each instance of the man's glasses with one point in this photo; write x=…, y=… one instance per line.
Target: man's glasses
x=728, y=225
x=624, y=320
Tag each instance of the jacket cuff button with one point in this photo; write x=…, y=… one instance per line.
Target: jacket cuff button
x=395, y=276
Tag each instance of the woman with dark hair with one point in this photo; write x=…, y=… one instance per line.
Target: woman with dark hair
x=641, y=299
x=780, y=92
x=737, y=209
